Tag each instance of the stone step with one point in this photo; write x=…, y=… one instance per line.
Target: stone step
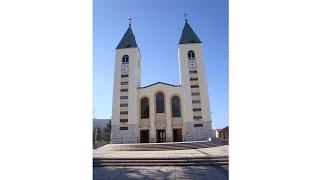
x=159, y=161
x=164, y=158
x=160, y=146
x=163, y=164
x=183, y=161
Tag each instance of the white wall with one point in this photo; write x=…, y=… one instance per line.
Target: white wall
x=150, y=92
x=134, y=82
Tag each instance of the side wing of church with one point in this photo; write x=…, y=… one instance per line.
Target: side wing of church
x=160, y=112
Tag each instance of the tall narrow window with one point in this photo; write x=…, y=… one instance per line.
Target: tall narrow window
x=175, y=106
x=191, y=55
x=125, y=59
x=144, y=108
x=160, y=102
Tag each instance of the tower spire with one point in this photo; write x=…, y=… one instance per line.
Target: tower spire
x=128, y=40
x=185, y=17
x=188, y=36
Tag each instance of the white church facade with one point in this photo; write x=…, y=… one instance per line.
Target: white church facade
x=160, y=112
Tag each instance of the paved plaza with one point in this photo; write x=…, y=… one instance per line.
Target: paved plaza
x=162, y=172
x=204, y=152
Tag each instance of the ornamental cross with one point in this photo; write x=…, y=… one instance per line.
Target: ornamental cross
x=130, y=22
x=185, y=17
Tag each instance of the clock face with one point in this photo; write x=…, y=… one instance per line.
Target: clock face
x=124, y=69
x=192, y=64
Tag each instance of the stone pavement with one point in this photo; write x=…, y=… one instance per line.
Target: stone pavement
x=203, y=152
x=162, y=172
x=168, y=172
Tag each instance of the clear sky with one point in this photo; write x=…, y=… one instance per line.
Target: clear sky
x=157, y=26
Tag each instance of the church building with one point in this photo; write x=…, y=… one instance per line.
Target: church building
x=160, y=112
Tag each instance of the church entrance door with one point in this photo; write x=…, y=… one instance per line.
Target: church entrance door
x=161, y=136
x=177, y=135
x=144, y=136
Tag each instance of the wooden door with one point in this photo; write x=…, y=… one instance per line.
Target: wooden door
x=161, y=136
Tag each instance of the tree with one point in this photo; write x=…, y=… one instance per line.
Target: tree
x=107, y=132
x=99, y=137
x=109, y=126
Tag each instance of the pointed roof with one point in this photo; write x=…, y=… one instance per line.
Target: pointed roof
x=128, y=40
x=188, y=36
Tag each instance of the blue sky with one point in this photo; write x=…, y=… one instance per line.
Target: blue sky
x=157, y=26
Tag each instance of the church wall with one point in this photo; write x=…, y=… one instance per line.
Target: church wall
x=168, y=91
x=205, y=106
x=192, y=128
x=184, y=80
x=131, y=134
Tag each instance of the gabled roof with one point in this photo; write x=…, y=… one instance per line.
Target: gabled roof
x=188, y=36
x=128, y=40
x=159, y=83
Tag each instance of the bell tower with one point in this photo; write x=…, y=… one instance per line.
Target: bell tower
x=196, y=109
x=127, y=79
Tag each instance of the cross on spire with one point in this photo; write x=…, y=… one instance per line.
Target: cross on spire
x=130, y=22
x=185, y=17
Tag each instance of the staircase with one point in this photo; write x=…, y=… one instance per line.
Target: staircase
x=177, y=161
x=163, y=146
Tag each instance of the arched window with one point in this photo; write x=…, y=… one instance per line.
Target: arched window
x=144, y=105
x=125, y=59
x=191, y=55
x=175, y=106
x=160, y=102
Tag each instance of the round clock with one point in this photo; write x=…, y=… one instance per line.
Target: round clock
x=192, y=64
x=124, y=69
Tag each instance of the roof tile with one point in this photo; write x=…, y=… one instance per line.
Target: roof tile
x=188, y=36
x=128, y=40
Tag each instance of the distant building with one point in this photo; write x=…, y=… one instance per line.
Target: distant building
x=215, y=133
x=222, y=133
